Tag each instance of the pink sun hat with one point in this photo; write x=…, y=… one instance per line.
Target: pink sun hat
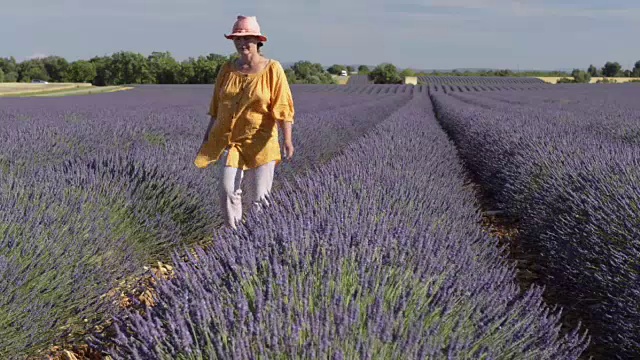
x=246, y=26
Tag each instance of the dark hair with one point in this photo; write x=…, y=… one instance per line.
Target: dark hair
x=260, y=44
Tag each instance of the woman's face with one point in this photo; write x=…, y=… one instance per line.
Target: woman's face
x=246, y=45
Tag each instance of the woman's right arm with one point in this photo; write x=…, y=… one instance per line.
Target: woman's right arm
x=213, y=107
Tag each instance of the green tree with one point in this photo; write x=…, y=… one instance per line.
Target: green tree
x=593, y=71
x=611, y=69
x=407, y=72
x=32, y=70
x=363, y=69
x=385, y=73
x=291, y=76
x=202, y=70
x=187, y=72
x=1, y=75
x=565, y=80
x=56, y=67
x=9, y=66
x=164, y=68
x=104, y=75
x=206, y=68
x=11, y=77
x=636, y=69
x=335, y=69
x=310, y=73
x=303, y=69
x=580, y=76
x=504, y=72
x=350, y=69
x=128, y=67
x=81, y=71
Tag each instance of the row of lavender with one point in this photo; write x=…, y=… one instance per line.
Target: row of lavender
x=360, y=80
x=411, y=89
x=93, y=188
x=377, y=254
x=567, y=164
x=478, y=80
x=604, y=98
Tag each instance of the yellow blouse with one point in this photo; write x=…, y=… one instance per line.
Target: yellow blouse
x=246, y=108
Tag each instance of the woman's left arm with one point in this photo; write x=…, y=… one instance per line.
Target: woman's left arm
x=286, y=127
x=282, y=108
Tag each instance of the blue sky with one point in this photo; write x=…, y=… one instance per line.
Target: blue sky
x=529, y=34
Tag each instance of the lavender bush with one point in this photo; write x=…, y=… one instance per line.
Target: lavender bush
x=358, y=80
x=52, y=259
x=569, y=172
x=93, y=188
x=577, y=96
x=361, y=258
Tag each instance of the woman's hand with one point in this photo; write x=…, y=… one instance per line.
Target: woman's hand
x=288, y=149
x=288, y=142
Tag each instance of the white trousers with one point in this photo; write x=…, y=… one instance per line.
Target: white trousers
x=258, y=182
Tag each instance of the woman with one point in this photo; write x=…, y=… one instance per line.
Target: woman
x=251, y=96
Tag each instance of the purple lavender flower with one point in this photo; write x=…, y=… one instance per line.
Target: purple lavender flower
x=379, y=254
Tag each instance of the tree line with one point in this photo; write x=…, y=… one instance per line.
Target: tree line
x=389, y=74
x=609, y=70
x=126, y=67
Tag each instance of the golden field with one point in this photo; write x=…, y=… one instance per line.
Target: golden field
x=28, y=88
x=554, y=79
x=54, y=89
x=341, y=80
x=83, y=91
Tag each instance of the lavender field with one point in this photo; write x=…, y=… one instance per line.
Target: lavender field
x=373, y=248
x=478, y=80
